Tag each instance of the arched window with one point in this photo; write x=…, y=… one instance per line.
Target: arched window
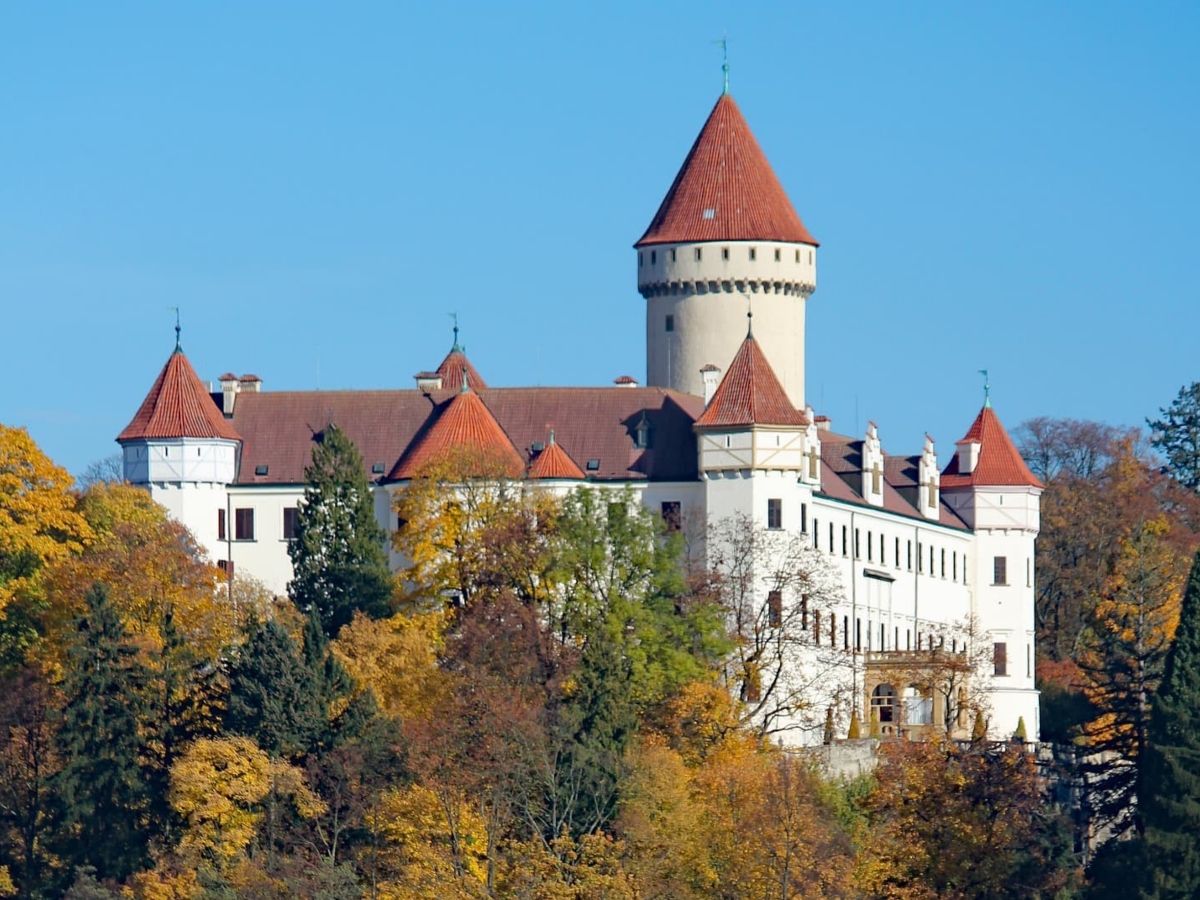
x=918, y=710
x=883, y=703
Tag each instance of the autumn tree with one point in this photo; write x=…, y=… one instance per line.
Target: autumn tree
x=29, y=761
x=104, y=798
x=1169, y=795
x=1177, y=436
x=992, y=834
x=38, y=525
x=1131, y=625
x=338, y=558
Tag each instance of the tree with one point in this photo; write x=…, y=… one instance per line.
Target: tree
x=992, y=835
x=38, y=524
x=1130, y=629
x=776, y=590
x=338, y=558
x=1169, y=794
x=1177, y=436
x=102, y=792
x=107, y=470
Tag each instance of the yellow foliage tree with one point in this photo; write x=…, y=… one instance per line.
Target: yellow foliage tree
x=39, y=522
x=219, y=786
x=397, y=660
x=466, y=526
x=153, y=570
x=435, y=846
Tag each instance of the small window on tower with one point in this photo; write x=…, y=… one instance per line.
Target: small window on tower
x=775, y=514
x=810, y=257
x=1000, y=570
x=698, y=254
x=778, y=253
x=724, y=253
x=672, y=254
x=670, y=323
x=220, y=524
x=797, y=256
x=653, y=257
x=753, y=254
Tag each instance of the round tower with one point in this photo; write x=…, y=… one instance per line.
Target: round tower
x=726, y=238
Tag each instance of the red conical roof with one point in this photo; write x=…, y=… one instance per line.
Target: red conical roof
x=466, y=426
x=178, y=406
x=726, y=190
x=750, y=394
x=554, y=462
x=452, y=368
x=999, y=462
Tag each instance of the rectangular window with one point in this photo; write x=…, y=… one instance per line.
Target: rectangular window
x=845, y=541
x=964, y=568
x=910, y=556
x=1028, y=660
x=753, y=254
x=816, y=533
x=243, y=524
x=954, y=566
x=1000, y=658
x=870, y=547
x=920, y=558
x=774, y=513
x=830, y=537
x=697, y=254
x=226, y=566
x=653, y=257
x=943, y=562
x=845, y=632
x=775, y=608
x=670, y=323
x=857, y=551
x=777, y=254
x=882, y=551
x=896, y=558
x=220, y=524
x=930, y=562
x=672, y=517
x=1000, y=570
x=804, y=612
x=817, y=628
x=858, y=634
x=724, y=253
x=804, y=518
x=289, y=523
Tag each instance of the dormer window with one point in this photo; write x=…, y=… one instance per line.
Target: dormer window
x=642, y=434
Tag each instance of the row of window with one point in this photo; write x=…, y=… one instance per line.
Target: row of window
x=698, y=255
x=243, y=524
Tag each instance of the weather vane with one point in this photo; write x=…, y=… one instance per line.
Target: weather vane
x=454, y=316
x=987, y=388
x=724, y=44
x=178, y=346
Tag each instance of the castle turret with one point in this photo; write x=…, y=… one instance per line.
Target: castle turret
x=725, y=238
x=184, y=451
x=991, y=488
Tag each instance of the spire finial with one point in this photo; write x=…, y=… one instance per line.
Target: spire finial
x=987, y=389
x=178, y=345
x=465, y=386
x=724, y=42
x=456, y=348
x=749, y=318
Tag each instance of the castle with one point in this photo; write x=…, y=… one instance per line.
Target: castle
x=721, y=429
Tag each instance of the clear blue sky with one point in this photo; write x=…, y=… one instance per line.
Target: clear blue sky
x=1011, y=186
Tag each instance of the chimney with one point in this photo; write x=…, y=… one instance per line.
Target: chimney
x=428, y=382
x=229, y=390
x=626, y=381
x=968, y=456
x=824, y=423
x=711, y=376
x=250, y=384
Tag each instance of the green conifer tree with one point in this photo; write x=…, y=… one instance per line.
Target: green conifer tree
x=271, y=696
x=1170, y=776
x=339, y=562
x=103, y=795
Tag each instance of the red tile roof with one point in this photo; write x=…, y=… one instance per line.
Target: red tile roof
x=277, y=427
x=452, y=368
x=999, y=462
x=553, y=462
x=464, y=425
x=726, y=190
x=177, y=406
x=750, y=394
